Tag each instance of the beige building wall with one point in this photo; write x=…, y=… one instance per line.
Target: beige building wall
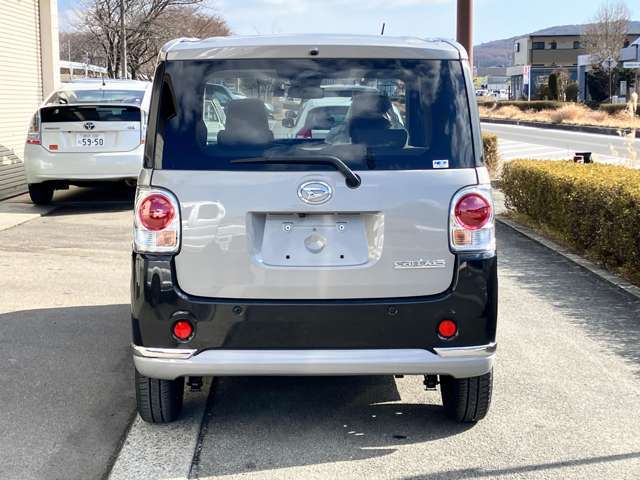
x=28, y=71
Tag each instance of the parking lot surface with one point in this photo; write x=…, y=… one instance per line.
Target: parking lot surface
x=66, y=372
x=566, y=392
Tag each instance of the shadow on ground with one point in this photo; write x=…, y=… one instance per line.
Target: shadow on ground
x=67, y=390
x=263, y=423
x=516, y=472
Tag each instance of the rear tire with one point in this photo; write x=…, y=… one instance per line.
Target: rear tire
x=159, y=401
x=41, y=193
x=467, y=399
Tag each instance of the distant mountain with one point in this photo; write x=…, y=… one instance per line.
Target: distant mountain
x=499, y=53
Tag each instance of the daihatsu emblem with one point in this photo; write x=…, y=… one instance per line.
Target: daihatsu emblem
x=89, y=125
x=315, y=192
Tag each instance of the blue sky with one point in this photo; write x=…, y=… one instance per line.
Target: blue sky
x=494, y=19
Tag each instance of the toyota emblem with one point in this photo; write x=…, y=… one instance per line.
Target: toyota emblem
x=89, y=125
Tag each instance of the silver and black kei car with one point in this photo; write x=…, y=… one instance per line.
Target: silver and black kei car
x=359, y=240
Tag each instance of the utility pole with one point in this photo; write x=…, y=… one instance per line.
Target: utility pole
x=123, y=44
x=464, y=33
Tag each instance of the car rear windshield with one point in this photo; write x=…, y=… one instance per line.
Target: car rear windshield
x=402, y=114
x=81, y=113
x=69, y=95
x=326, y=118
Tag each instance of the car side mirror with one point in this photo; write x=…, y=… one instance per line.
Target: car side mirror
x=288, y=122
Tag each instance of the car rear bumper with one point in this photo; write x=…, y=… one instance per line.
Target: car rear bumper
x=459, y=362
x=42, y=165
x=319, y=337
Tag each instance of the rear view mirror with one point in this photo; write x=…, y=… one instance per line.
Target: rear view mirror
x=288, y=122
x=290, y=114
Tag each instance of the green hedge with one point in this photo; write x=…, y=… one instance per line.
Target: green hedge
x=595, y=208
x=491, y=154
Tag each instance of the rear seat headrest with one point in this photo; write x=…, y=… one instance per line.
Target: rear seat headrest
x=247, y=124
x=370, y=105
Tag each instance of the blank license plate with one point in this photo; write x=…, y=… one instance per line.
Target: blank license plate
x=91, y=140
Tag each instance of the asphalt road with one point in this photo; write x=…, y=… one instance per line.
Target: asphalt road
x=566, y=400
x=609, y=148
x=65, y=376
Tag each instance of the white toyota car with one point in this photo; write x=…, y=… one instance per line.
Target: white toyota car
x=87, y=132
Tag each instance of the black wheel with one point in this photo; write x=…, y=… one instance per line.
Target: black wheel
x=159, y=401
x=41, y=193
x=467, y=399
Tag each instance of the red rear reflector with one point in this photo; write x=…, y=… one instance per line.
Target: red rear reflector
x=53, y=147
x=473, y=211
x=447, y=329
x=156, y=212
x=182, y=330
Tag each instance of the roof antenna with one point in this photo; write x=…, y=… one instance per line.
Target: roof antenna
x=382, y=32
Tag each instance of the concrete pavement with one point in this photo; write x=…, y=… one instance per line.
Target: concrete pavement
x=65, y=371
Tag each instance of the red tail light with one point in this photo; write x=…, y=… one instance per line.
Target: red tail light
x=156, y=212
x=473, y=211
x=182, y=330
x=304, y=133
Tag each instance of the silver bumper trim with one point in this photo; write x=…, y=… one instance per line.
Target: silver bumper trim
x=458, y=352
x=177, y=353
x=458, y=362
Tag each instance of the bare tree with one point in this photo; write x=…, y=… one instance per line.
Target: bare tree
x=605, y=36
x=180, y=21
x=148, y=25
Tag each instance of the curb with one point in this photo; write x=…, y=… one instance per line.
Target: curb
x=605, y=275
x=616, y=132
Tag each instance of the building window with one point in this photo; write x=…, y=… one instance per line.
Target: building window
x=626, y=43
x=577, y=45
x=516, y=47
x=553, y=46
x=537, y=46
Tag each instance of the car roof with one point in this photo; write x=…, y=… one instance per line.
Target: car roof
x=97, y=84
x=327, y=102
x=316, y=45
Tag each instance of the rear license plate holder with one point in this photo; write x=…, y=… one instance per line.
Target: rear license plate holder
x=314, y=240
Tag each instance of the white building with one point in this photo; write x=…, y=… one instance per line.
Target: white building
x=29, y=70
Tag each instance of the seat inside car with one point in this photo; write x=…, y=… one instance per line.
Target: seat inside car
x=369, y=123
x=247, y=124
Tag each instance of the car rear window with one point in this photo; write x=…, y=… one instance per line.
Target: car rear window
x=402, y=114
x=81, y=113
x=325, y=118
